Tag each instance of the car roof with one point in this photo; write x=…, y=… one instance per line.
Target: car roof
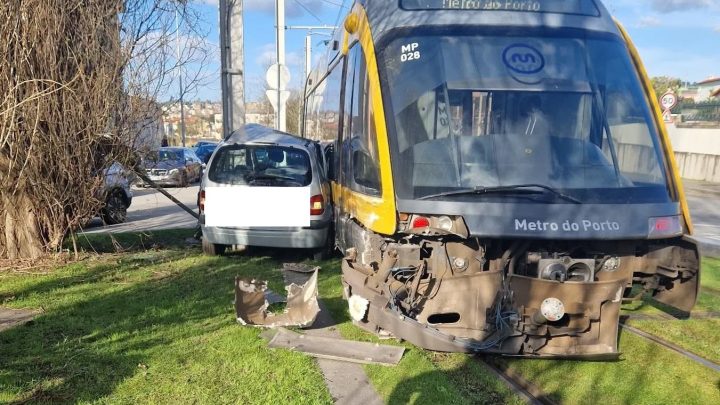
x=258, y=134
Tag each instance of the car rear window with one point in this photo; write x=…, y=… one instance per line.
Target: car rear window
x=261, y=165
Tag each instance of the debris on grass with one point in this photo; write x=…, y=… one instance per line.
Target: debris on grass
x=335, y=349
x=300, y=267
x=251, y=303
x=297, y=273
x=41, y=266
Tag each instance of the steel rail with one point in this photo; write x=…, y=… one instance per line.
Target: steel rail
x=520, y=386
x=692, y=356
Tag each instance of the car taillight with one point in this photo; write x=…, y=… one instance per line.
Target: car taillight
x=317, y=205
x=201, y=200
x=420, y=222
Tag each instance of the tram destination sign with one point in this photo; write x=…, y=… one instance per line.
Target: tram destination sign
x=582, y=7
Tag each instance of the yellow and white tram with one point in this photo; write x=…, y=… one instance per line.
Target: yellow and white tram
x=501, y=175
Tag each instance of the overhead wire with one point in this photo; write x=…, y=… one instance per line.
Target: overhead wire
x=307, y=9
x=342, y=5
x=337, y=19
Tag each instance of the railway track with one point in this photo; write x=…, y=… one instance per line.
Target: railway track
x=519, y=385
x=692, y=356
x=534, y=395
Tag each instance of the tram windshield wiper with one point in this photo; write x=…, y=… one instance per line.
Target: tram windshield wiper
x=511, y=189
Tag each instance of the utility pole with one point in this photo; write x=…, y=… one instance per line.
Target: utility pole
x=308, y=55
x=232, y=65
x=180, y=76
x=280, y=32
x=308, y=41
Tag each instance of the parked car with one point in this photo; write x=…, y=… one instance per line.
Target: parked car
x=266, y=188
x=201, y=143
x=117, y=195
x=173, y=166
x=205, y=151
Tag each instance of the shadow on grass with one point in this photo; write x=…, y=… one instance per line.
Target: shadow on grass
x=469, y=380
x=99, y=328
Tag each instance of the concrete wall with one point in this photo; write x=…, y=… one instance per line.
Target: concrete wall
x=697, y=151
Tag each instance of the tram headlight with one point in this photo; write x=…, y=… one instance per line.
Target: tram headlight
x=432, y=224
x=551, y=310
x=445, y=223
x=611, y=264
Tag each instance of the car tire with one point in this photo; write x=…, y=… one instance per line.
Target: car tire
x=328, y=251
x=213, y=249
x=115, y=209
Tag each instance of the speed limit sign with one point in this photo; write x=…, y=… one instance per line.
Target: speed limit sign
x=668, y=100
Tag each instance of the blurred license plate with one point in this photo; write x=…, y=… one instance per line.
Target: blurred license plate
x=155, y=178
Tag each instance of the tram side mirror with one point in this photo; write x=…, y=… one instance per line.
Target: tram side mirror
x=330, y=162
x=365, y=171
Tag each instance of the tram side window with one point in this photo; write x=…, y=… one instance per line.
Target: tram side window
x=341, y=156
x=324, y=107
x=363, y=140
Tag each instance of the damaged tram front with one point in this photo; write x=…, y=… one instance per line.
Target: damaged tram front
x=501, y=177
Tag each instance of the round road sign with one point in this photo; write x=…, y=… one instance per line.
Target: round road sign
x=272, y=76
x=668, y=100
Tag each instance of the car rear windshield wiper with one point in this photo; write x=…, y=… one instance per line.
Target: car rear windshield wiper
x=516, y=188
x=253, y=177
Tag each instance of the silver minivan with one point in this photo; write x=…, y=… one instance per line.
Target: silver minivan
x=267, y=188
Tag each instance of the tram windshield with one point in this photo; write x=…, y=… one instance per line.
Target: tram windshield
x=563, y=111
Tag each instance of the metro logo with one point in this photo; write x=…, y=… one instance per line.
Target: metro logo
x=523, y=59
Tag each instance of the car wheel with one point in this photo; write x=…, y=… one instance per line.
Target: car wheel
x=115, y=210
x=328, y=251
x=213, y=249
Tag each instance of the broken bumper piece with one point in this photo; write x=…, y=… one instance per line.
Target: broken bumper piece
x=251, y=304
x=335, y=349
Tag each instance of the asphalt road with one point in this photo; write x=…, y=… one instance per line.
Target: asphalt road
x=704, y=202
x=151, y=210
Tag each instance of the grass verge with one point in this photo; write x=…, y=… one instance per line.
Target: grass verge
x=146, y=327
x=157, y=326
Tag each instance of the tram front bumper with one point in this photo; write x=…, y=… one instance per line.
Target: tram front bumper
x=588, y=330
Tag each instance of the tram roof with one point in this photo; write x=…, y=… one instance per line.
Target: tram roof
x=386, y=15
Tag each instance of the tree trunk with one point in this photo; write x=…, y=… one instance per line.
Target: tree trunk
x=21, y=237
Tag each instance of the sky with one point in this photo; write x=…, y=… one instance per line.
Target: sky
x=678, y=38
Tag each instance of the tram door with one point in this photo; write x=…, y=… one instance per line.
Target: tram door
x=356, y=151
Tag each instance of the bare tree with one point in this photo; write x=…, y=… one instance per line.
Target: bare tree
x=78, y=84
